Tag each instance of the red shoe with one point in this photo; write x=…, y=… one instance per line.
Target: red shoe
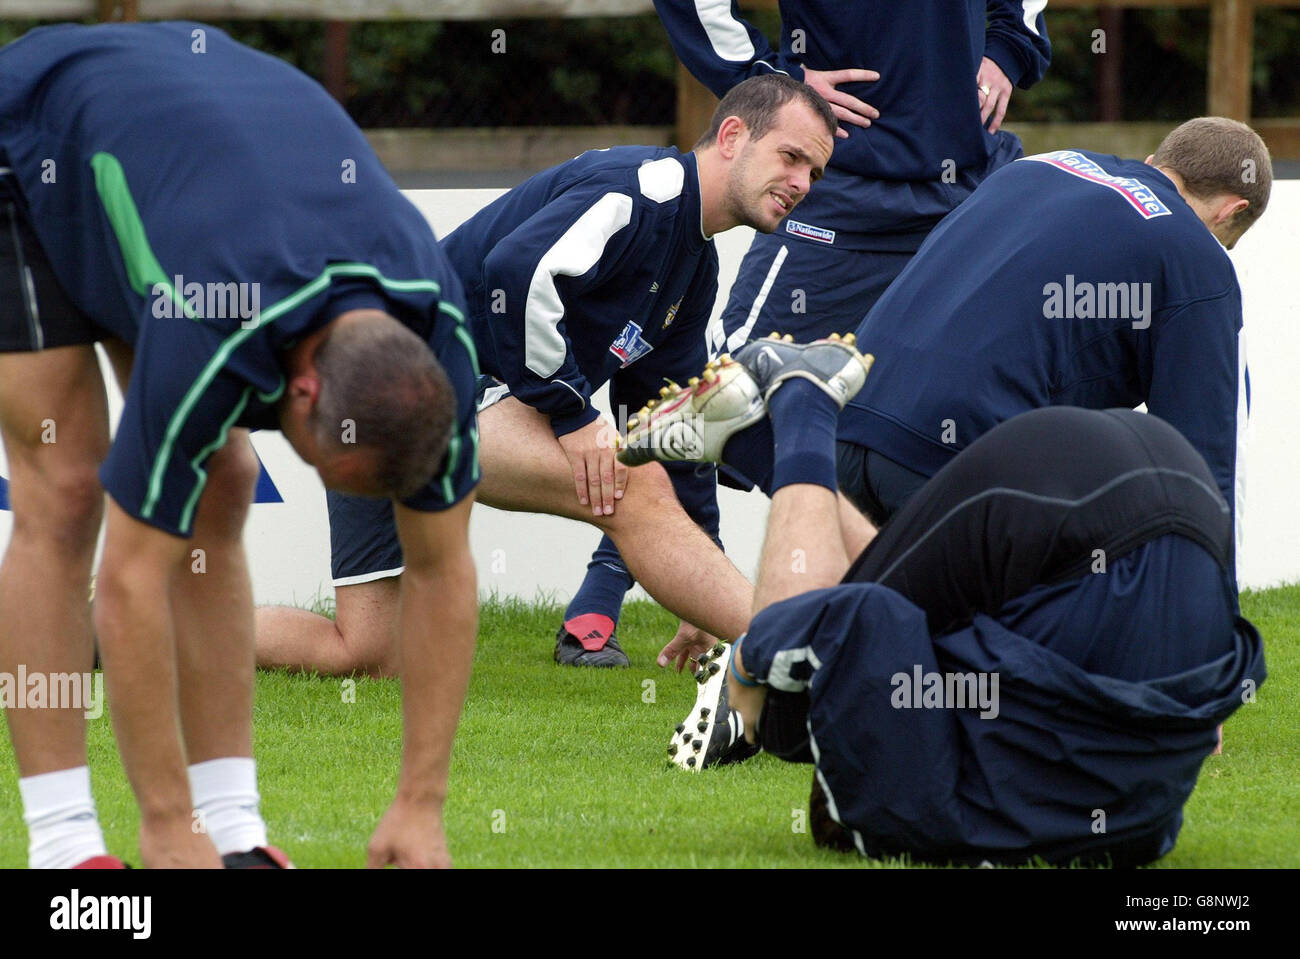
x=259, y=857
x=102, y=862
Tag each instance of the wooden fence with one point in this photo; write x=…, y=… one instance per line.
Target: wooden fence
x=1229, y=71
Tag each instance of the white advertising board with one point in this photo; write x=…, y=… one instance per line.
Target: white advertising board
x=531, y=556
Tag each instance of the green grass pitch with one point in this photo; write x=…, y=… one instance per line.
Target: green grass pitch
x=565, y=767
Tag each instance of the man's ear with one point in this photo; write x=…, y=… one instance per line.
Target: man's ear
x=1229, y=207
x=729, y=135
x=1150, y=157
x=304, y=388
x=300, y=398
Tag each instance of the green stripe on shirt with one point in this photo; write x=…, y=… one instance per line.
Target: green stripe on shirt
x=143, y=271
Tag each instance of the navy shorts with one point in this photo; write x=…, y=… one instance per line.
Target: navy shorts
x=35, y=312
x=805, y=289
x=875, y=484
x=363, y=539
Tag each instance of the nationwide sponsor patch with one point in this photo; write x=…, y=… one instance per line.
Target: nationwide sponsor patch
x=630, y=347
x=810, y=232
x=1140, y=196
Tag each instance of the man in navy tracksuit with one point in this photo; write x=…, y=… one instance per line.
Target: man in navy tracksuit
x=213, y=217
x=1113, y=289
x=941, y=74
x=600, y=269
x=902, y=163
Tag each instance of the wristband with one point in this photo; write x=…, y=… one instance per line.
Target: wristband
x=735, y=674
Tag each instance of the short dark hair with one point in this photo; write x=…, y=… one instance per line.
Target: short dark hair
x=383, y=391
x=758, y=100
x=1215, y=155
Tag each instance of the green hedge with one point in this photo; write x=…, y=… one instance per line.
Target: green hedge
x=621, y=70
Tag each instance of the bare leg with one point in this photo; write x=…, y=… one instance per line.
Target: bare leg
x=212, y=602
x=210, y=599
x=525, y=469
x=803, y=549
x=362, y=637
x=855, y=529
x=212, y=609
x=54, y=417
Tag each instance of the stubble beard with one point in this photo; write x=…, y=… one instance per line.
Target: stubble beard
x=746, y=210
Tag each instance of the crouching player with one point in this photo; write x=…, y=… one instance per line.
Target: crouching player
x=347, y=335
x=1030, y=659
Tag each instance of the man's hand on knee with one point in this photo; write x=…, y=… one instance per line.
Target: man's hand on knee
x=598, y=477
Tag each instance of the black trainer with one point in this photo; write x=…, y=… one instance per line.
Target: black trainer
x=569, y=651
x=712, y=734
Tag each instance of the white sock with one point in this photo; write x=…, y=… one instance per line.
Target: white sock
x=62, y=827
x=225, y=797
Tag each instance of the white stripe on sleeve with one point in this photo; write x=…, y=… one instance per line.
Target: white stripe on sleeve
x=1032, y=9
x=727, y=35
x=576, y=252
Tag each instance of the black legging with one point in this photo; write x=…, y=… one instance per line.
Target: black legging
x=1030, y=501
x=1029, y=504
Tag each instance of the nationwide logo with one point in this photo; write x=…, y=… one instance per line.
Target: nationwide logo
x=810, y=232
x=1140, y=196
